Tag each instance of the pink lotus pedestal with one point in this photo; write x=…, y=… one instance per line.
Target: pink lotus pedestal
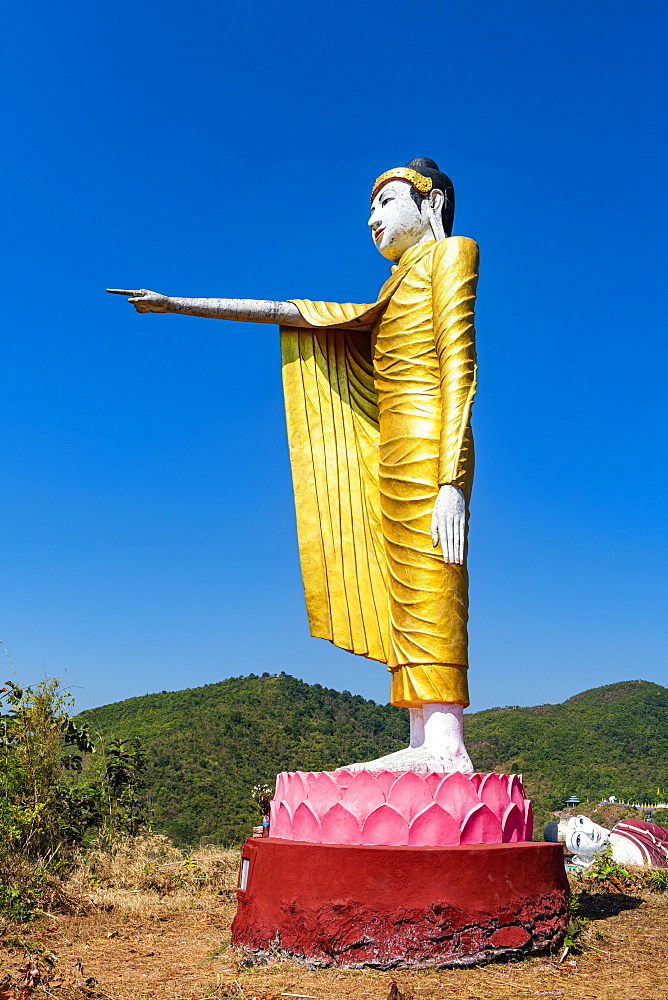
x=387, y=868
x=400, y=808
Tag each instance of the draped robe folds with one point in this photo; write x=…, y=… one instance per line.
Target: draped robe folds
x=377, y=421
x=646, y=843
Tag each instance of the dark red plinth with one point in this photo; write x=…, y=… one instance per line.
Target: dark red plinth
x=349, y=906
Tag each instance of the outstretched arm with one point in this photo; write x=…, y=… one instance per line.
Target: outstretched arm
x=245, y=310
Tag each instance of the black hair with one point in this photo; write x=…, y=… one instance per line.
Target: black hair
x=423, y=165
x=551, y=833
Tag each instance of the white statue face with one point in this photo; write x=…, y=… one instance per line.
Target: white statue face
x=585, y=837
x=396, y=222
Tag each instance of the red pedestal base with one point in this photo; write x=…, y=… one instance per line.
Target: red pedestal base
x=350, y=906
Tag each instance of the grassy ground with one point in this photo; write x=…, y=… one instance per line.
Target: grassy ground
x=143, y=931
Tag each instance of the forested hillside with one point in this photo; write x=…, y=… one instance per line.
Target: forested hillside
x=208, y=746
x=608, y=740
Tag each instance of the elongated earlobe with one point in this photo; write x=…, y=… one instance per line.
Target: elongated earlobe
x=435, y=201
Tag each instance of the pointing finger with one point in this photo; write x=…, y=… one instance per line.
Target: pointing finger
x=123, y=291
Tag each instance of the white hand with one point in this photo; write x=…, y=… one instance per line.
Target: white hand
x=449, y=522
x=144, y=300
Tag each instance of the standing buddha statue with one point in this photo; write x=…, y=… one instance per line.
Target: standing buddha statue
x=378, y=400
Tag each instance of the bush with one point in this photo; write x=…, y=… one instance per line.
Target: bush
x=52, y=798
x=657, y=879
x=41, y=749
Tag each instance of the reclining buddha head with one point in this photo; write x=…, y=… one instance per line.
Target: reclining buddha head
x=580, y=835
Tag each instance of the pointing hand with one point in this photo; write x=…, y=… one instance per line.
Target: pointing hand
x=143, y=300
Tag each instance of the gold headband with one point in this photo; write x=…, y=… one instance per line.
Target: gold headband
x=418, y=181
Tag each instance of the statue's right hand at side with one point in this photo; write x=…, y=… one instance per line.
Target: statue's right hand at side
x=144, y=300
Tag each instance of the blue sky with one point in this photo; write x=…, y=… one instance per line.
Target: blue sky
x=148, y=537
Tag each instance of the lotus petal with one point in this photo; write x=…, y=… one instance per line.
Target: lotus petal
x=528, y=820
x=475, y=780
x=385, y=826
x=512, y=825
x=280, y=786
x=295, y=791
x=342, y=777
x=432, y=780
x=409, y=795
x=305, y=825
x=481, y=826
x=493, y=792
x=363, y=795
x=516, y=791
x=281, y=823
x=457, y=795
x=339, y=826
x=434, y=827
x=386, y=779
x=273, y=813
x=323, y=793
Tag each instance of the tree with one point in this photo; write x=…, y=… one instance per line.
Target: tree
x=41, y=747
x=48, y=802
x=124, y=774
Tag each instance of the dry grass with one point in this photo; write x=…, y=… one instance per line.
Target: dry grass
x=172, y=943
x=38, y=885
x=150, y=862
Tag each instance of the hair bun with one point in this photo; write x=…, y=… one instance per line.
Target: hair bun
x=420, y=162
x=551, y=833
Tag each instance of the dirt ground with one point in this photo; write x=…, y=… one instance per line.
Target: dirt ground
x=136, y=944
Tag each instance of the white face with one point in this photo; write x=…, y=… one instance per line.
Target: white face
x=585, y=837
x=396, y=222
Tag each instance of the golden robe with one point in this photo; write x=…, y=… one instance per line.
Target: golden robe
x=376, y=423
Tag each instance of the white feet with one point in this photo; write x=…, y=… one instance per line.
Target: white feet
x=417, y=727
x=437, y=744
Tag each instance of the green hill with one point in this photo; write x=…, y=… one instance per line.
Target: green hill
x=611, y=739
x=208, y=746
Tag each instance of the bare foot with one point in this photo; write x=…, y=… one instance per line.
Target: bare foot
x=437, y=744
x=417, y=759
